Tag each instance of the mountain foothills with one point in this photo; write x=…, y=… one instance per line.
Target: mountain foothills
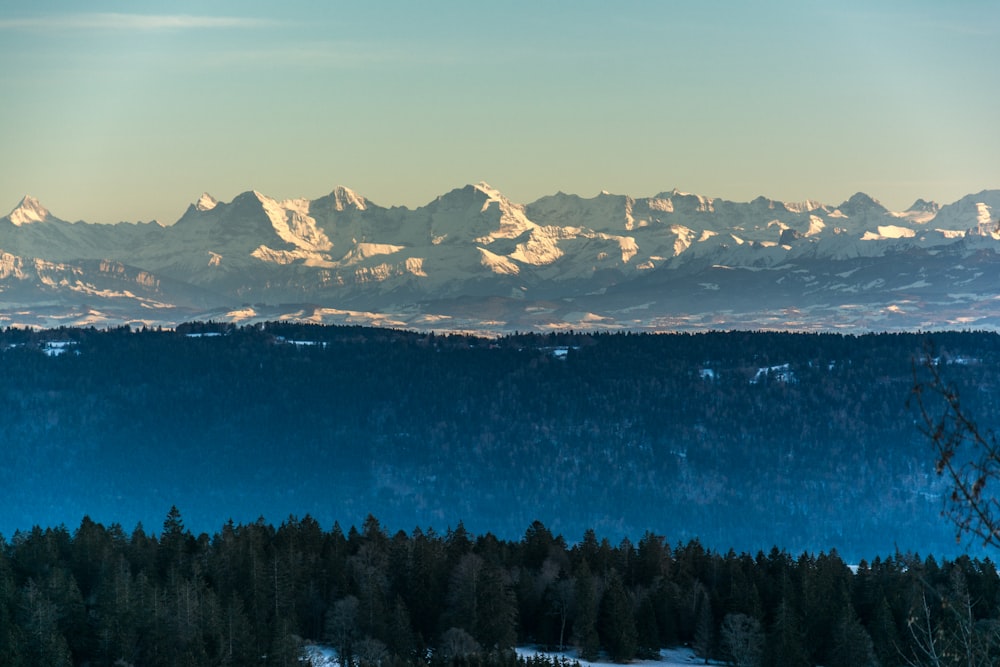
x=472, y=260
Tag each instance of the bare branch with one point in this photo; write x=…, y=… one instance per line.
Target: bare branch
x=966, y=456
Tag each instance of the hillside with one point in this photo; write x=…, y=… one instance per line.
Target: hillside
x=744, y=440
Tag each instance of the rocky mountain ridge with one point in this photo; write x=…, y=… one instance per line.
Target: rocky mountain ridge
x=472, y=260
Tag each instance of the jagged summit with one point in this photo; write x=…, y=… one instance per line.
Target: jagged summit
x=471, y=193
x=485, y=187
x=28, y=211
x=924, y=206
x=251, y=198
x=345, y=198
x=206, y=202
x=860, y=203
x=805, y=206
x=688, y=201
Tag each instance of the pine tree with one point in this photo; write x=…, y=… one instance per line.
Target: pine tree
x=237, y=646
x=785, y=642
x=647, y=629
x=118, y=613
x=10, y=648
x=174, y=545
x=884, y=635
x=370, y=580
x=482, y=603
x=666, y=604
x=852, y=645
x=401, y=640
x=825, y=602
x=585, y=622
x=426, y=584
x=617, y=621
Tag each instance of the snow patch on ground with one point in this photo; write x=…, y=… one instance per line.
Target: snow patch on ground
x=669, y=657
x=320, y=656
x=780, y=373
x=325, y=656
x=55, y=348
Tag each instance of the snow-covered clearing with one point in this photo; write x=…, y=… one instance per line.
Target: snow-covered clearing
x=325, y=656
x=669, y=657
x=320, y=656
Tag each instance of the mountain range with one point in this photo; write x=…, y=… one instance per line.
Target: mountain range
x=472, y=260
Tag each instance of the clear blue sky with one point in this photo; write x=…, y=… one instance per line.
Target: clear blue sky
x=129, y=110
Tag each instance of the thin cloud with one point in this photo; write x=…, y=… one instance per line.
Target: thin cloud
x=333, y=55
x=129, y=22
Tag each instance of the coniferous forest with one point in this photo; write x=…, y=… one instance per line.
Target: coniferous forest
x=709, y=488
x=743, y=440
x=252, y=594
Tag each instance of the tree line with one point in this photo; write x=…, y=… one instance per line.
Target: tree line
x=255, y=594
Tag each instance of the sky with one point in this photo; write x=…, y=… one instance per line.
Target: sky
x=116, y=111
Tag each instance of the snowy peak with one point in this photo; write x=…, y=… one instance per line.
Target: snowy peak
x=343, y=200
x=249, y=203
x=475, y=213
x=764, y=203
x=346, y=199
x=247, y=211
x=602, y=213
x=28, y=211
x=206, y=202
x=488, y=190
x=687, y=202
x=467, y=201
x=807, y=206
x=480, y=194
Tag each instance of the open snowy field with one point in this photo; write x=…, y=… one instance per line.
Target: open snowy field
x=325, y=656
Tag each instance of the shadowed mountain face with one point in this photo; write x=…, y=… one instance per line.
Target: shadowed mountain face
x=473, y=260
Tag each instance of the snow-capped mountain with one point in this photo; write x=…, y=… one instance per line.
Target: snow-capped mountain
x=28, y=211
x=472, y=259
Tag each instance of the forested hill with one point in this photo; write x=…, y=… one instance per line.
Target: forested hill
x=743, y=440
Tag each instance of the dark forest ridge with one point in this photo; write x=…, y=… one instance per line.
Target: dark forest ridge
x=741, y=439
